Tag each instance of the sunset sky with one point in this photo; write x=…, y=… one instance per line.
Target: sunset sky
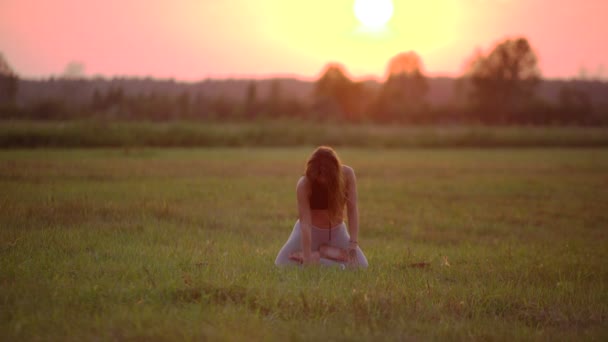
x=196, y=39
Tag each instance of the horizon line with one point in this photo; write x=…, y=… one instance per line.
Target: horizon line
x=246, y=77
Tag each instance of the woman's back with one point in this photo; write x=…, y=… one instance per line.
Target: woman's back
x=318, y=201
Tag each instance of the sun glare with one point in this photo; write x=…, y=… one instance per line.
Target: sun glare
x=373, y=14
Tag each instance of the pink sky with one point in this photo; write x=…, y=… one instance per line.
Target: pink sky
x=196, y=39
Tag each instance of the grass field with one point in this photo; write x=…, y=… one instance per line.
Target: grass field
x=174, y=244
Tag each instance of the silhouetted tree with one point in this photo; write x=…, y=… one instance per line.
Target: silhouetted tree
x=251, y=100
x=50, y=109
x=574, y=104
x=336, y=92
x=114, y=102
x=221, y=108
x=5, y=68
x=114, y=97
x=183, y=104
x=200, y=106
x=404, y=91
x=275, y=98
x=96, y=100
x=73, y=70
x=503, y=82
x=9, y=82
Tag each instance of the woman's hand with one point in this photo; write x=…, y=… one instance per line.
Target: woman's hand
x=352, y=253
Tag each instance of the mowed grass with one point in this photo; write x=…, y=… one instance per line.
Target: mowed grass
x=179, y=244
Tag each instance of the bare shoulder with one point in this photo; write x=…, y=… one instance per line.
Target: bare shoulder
x=302, y=186
x=348, y=172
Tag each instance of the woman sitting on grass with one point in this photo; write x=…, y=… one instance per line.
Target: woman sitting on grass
x=320, y=235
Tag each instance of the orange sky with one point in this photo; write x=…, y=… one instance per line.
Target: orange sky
x=196, y=39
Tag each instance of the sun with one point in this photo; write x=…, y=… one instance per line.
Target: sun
x=373, y=14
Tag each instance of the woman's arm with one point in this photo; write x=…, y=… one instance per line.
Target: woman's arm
x=305, y=221
x=351, y=206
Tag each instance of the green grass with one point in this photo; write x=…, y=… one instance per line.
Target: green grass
x=174, y=244
x=288, y=133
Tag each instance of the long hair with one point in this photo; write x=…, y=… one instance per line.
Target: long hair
x=324, y=166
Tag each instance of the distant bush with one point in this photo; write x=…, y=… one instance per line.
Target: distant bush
x=98, y=133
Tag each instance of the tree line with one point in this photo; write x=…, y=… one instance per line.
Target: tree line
x=497, y=87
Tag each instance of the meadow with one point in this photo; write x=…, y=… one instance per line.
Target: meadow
x=143, y=243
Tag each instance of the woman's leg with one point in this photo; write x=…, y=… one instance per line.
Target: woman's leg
x=361, y=259
x=321, y=237
x=340, y=238
x=293, y=244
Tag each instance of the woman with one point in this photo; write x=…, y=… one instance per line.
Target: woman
x=320, y=235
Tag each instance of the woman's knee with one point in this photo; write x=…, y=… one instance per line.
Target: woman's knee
x=284, y=262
